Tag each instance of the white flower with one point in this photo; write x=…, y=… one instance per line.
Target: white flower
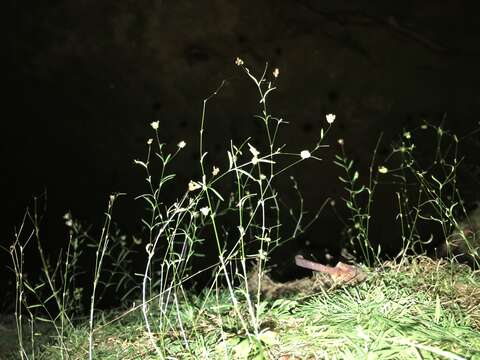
x=276, y=72
x=182, y=144
x=238, y=61
x=262, y=177
x=154, y=125
x=254, y=160
x=340, y=141
x=407, y=135
x=149, y=141
x=205, y=210
x=262, y=255
x=305, y=154
x=382, y=170
x=330, y=118
x=192, y=186
x=215, y=171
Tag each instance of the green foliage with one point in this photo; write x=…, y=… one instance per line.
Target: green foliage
x=386, y=317
x=359, y=224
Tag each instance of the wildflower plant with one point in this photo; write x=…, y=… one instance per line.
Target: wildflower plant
x=174, y=230
x=429, y=193
x=424, y=194
x=358, y=227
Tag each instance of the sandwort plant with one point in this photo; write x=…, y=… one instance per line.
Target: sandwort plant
x=428, y=193
x=253, y=201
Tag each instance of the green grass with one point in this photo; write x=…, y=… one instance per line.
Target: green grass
x=423, y=309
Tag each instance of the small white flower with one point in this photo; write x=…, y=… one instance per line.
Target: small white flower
x=340, y=141
x=424, y=127
x=182, y=144
x=407, y=135
x=382, y=170
x=262, y=255
x=215, y=171
x=149, y=141
x=205, y=210
x=192, y=186
x=305, y=154
x=254, y=160
x=154, y=125
x=238, y=61
x=355, y=175
x=330, y=118
x=262, y=177
x=276, y=72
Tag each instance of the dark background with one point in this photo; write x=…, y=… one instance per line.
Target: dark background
x=86, y=78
